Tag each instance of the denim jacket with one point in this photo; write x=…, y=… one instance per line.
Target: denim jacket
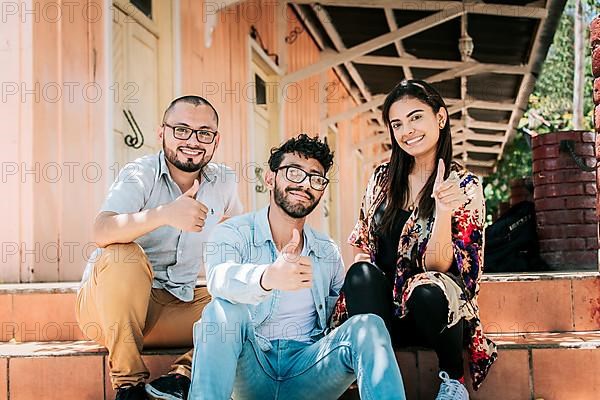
x=240, y=249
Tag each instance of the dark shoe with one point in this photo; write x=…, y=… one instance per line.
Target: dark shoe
x=136, y=392
x=169, y=387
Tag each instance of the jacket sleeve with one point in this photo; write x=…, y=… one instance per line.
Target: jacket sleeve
x=230, y=272
x=359, y=237
x=338, y=274
x=468, y=234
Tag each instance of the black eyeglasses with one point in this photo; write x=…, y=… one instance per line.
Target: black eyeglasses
x=184, y=133
x=297, y=175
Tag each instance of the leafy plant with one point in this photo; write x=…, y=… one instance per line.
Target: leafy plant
x=516, y=163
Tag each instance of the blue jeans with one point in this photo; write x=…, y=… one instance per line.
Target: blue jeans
x=228, y=360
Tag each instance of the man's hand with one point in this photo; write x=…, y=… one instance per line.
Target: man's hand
x=289, y=271
x=186, y=213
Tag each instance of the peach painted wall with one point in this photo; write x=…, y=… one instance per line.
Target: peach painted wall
x=219, y=71
x=47, y=218
x=15, y=145
x=53, y=147
x=303, y=98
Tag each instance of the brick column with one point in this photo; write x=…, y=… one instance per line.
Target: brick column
x=595, y=43
x=565, y=199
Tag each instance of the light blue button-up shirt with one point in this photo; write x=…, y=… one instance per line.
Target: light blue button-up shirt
x=175, y=256
x=242, y=247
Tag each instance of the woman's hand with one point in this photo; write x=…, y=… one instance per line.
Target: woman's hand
x=362, y=257
x=448, y=194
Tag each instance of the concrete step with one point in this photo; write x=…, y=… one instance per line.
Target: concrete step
x=65, y=370
x=549, y=366
x=546, y=302
x=552, y=302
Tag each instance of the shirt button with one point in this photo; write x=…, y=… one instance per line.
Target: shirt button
x=320, y=306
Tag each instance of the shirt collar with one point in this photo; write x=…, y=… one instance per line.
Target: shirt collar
x=209, y=172
x=262, y=233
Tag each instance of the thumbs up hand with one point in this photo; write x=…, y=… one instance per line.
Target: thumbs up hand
x=290, y=271
x=186, y=213
x=191, y=192
x=447, y=193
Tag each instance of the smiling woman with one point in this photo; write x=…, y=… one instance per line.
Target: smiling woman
x=419, y=241
x=418, y=122
x=412, y=123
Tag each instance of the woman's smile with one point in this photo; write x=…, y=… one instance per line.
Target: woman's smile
x=416, y=139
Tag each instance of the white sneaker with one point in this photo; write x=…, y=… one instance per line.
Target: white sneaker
x=451, y=389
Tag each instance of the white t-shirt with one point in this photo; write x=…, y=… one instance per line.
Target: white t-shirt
x=295, y=316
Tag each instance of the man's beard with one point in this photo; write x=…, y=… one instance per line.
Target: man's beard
x=186, y=166
x=294, y=210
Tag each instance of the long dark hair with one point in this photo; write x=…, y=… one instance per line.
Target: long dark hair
x=401, y=163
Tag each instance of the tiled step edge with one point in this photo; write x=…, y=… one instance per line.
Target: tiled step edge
x=526, y=369
x=571, y=340
x=71, y=287
x=50, y=287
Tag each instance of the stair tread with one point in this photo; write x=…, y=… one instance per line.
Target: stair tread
x=66, y=348
x=588, y=339
x=584, y=340
x=509, y=305
x=71, y=287
x=39, y=287
x=51, y=287
x=538, y=276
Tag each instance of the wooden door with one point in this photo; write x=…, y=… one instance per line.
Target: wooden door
x=136, y=92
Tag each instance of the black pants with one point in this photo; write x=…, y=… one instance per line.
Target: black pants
x=368, y=290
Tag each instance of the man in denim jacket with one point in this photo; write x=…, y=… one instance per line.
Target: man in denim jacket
x=274, y=282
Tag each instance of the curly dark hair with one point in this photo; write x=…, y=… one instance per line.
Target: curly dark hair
x=305, y=146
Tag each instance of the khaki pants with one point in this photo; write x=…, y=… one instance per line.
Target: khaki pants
x=118, y=308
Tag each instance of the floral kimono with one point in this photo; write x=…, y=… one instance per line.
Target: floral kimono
x=460, y=284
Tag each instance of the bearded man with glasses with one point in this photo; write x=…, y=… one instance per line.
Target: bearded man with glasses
x=139, y=288
x=274, y=282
